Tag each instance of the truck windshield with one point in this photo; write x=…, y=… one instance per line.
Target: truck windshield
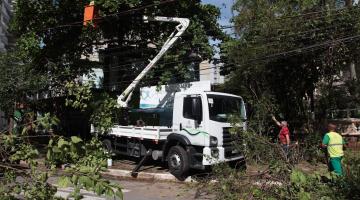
x=222, y=107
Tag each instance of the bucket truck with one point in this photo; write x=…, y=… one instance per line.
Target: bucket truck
x=184, y=125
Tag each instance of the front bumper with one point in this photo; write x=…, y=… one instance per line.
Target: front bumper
x=224, y=155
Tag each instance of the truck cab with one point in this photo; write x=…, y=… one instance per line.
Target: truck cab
x=202, y=120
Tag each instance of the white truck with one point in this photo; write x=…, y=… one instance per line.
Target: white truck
x=185, y=125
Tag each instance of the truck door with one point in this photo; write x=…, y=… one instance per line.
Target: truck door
x=192, y=112
x=189, y=118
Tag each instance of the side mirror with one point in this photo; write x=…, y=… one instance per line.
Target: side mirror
x=197, y=109
x=244, y=111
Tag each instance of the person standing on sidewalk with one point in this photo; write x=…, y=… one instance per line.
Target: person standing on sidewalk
x=284, y=135
x=334, y=143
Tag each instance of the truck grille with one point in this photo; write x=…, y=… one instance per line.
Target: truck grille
x=227, y=139
x=228, y=144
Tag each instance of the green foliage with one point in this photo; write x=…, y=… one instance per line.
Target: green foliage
x=262, y=108
x=48, y=57
x=83, y=161
x=29, y=43
x=278, y=176
x=306, y=187
x=52, y=37
x=76, y=151
x=80, y=95
x=349, y=185
x=32, y=183
x=17, y=81
x=257, y=147
x=286, y=48
x=46, y=122
x=102, y=107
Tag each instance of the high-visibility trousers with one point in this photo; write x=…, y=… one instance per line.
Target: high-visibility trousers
x=335, y=165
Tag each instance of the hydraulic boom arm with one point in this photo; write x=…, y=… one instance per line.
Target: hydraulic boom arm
x=125, y=97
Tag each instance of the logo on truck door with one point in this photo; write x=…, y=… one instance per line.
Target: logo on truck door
x=195, y=132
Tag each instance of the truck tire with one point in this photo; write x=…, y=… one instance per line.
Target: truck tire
x=108, y=147
x=178, y=162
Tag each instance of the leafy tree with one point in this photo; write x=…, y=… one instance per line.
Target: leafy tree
x=17, y=81
x=49, y=57
x=286, y=48
x=58, y=29
x=276, y=175
x=84, y=163
x=54, y=45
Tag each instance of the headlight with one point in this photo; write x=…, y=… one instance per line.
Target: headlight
x=213, y=141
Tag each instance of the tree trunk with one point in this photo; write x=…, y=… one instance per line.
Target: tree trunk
x=352, y=71
x=349, y=3
x=10, y=125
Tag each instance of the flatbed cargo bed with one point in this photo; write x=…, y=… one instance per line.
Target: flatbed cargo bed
x=145, y=132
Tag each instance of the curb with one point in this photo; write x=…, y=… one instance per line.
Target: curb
x=141, y=176
x=144, y=176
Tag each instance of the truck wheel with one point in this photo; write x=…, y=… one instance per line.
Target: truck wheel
x=107, y=146
x=178, y=162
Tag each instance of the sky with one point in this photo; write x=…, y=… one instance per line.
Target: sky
x=226, y=15
x=225, y=6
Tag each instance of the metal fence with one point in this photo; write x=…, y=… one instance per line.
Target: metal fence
x=343, y=113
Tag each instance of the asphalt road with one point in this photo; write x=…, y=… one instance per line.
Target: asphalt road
x=140, y=190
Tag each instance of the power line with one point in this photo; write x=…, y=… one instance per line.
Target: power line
x=268, y=44
x=333, y=15
x=177, y=74
x=276, y=55
x=276, y=43
x=305, y=14
x=307, y=48
x=302, y=33
x=122, y=13
x=159, y=63
x=291, y=52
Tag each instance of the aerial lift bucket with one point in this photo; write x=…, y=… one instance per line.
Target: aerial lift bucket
x=90, y=14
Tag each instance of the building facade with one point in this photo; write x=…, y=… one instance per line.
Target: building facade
x=210, y=71
x=5, y=41
x=5, y=16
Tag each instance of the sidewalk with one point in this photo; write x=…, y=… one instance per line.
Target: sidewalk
x=121, y=170
x=145, y=176
x=150, y=171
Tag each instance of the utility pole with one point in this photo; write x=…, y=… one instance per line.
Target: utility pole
x=349, y=4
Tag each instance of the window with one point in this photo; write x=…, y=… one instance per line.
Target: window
x=222, y=107
x=192, y=108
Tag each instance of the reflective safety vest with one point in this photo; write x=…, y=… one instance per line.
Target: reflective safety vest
x=335, y=146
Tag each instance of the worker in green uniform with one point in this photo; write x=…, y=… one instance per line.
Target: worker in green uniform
x=334, y=143
x=18, y=117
